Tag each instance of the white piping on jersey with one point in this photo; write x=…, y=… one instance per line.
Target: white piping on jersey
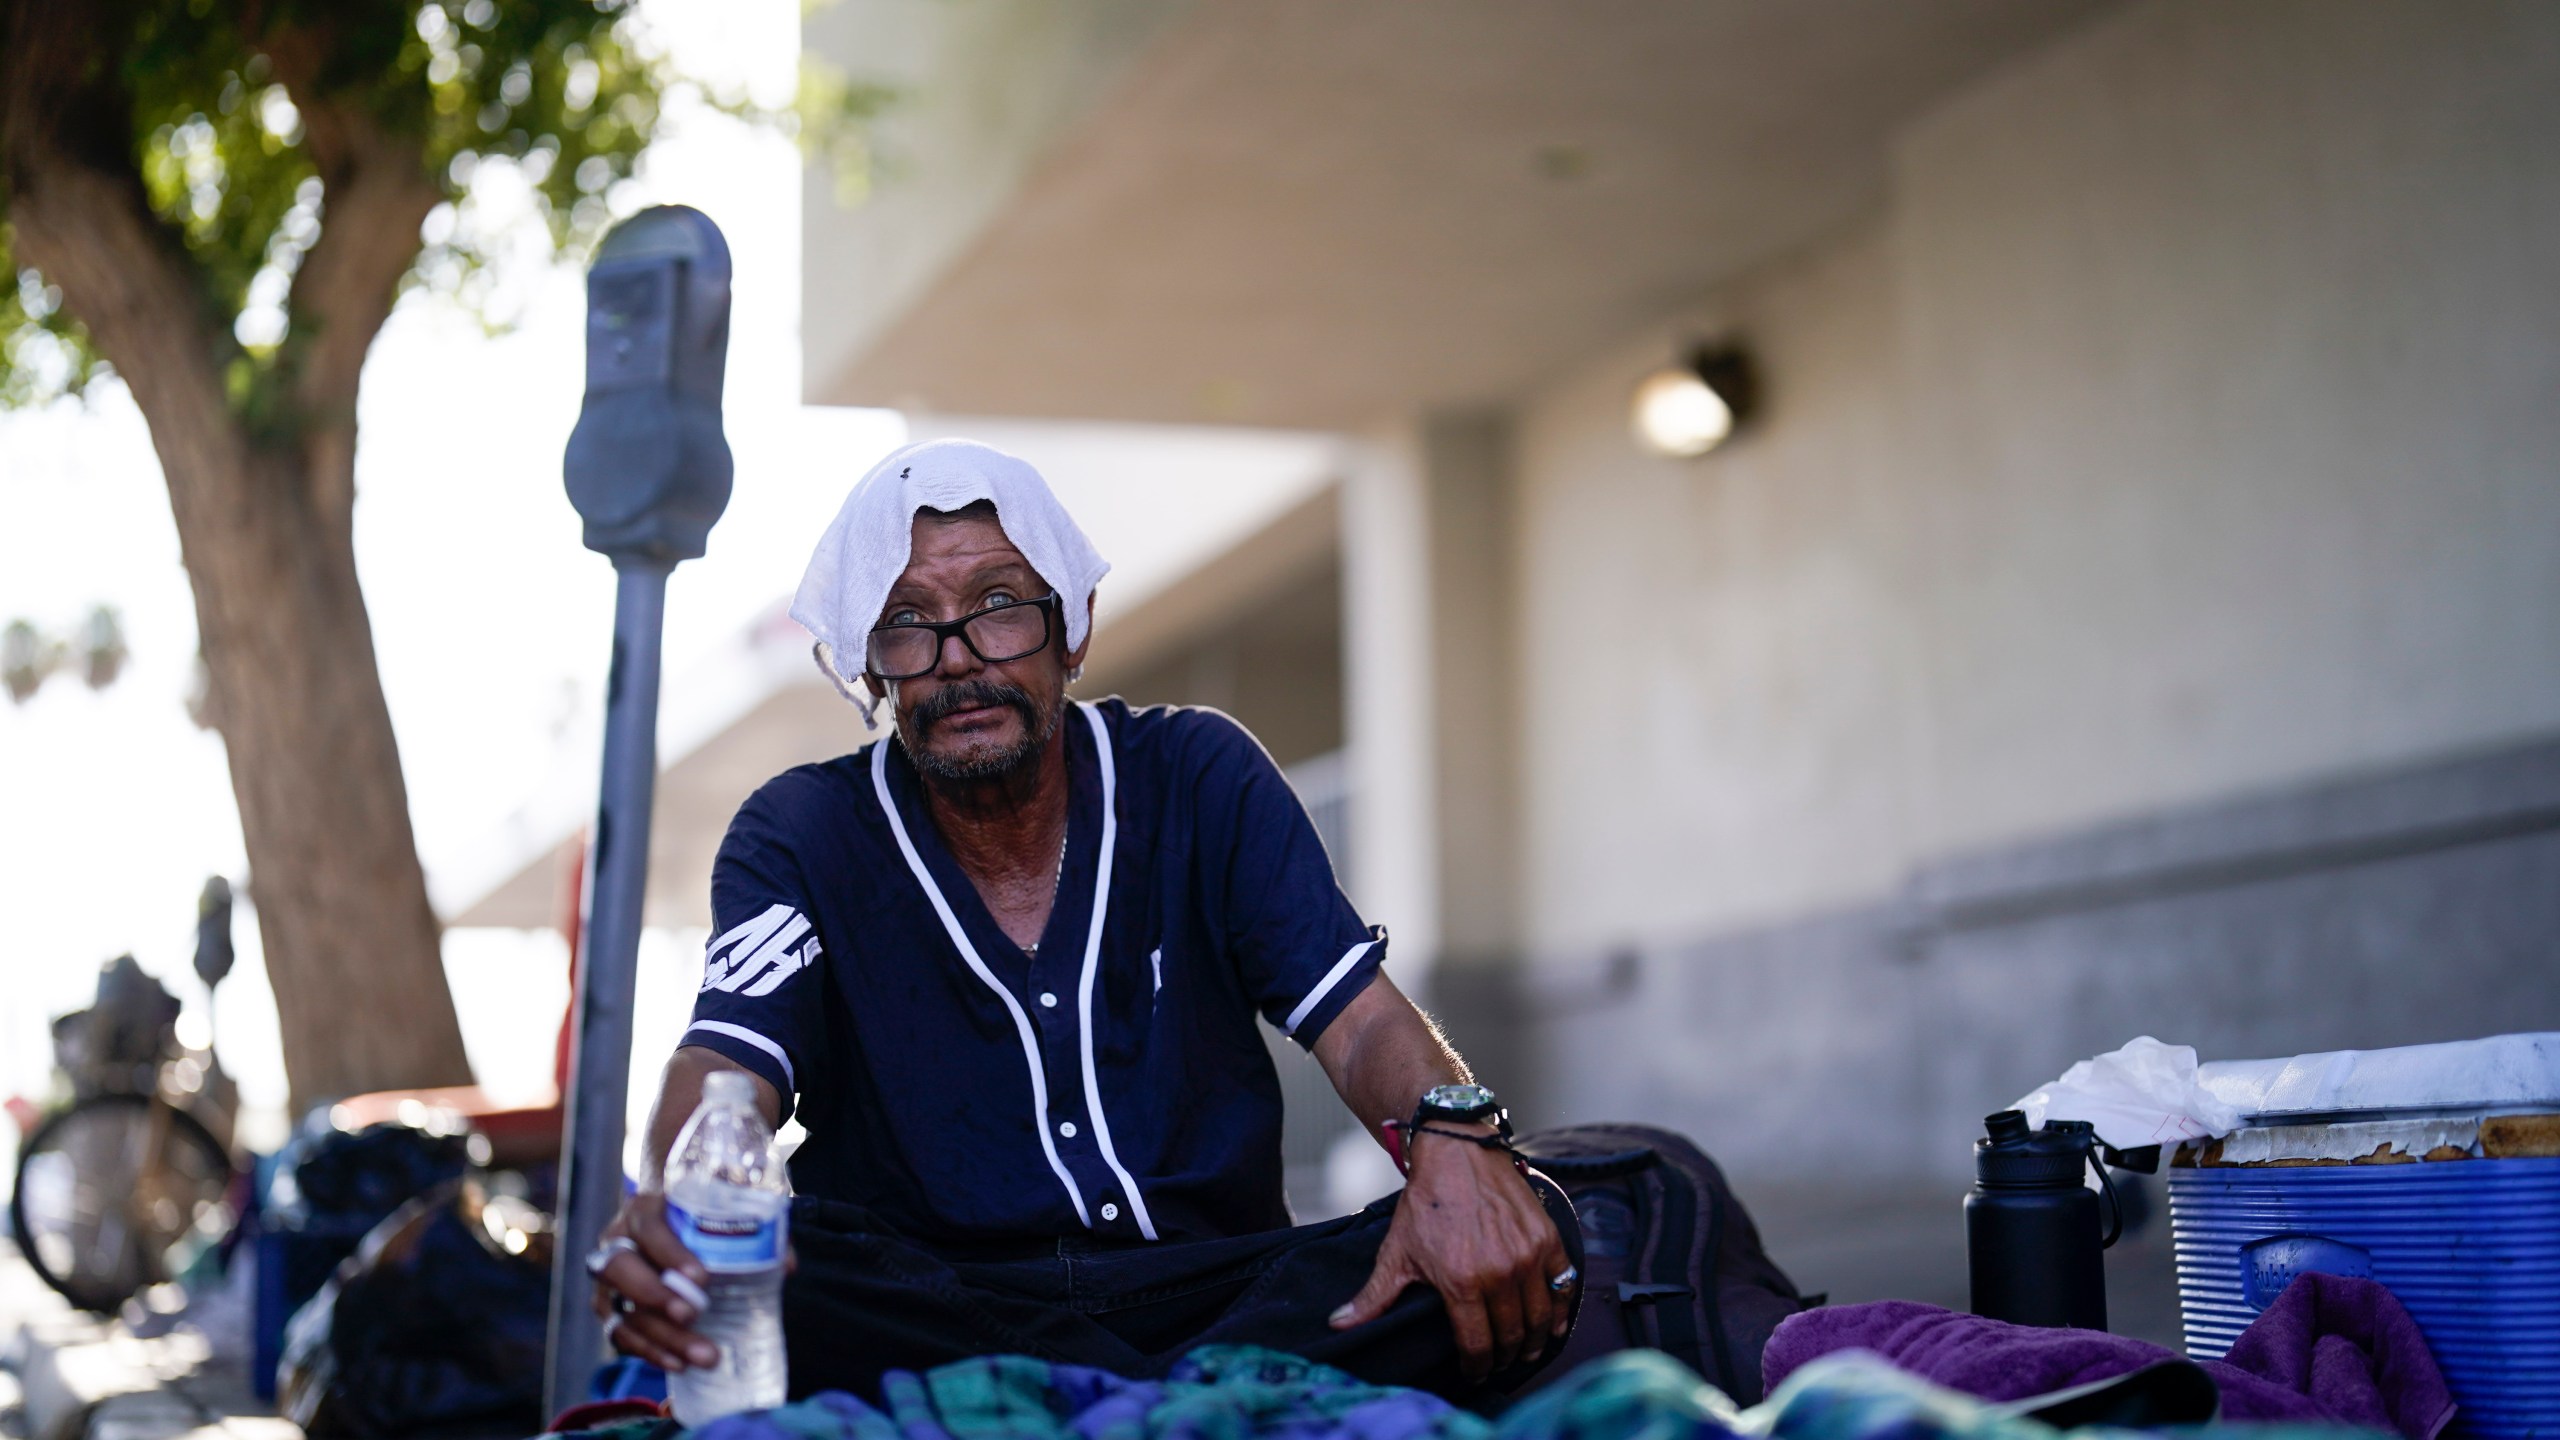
x=1325, y=986
x=791, y=1080
x=969, y=953
x=1084, y=987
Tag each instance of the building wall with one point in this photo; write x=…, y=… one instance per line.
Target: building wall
x=1724, y=654
x=2182, y=436
x=1474, y=685
x=2231, y=332
x=1278, y=670
x=2189, y=424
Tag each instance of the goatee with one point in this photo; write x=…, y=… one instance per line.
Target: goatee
x=1037, y=728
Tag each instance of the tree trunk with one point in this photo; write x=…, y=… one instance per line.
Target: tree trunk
x=265, y=523
x=351, y=942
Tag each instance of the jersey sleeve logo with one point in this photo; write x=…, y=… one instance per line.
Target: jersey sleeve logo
x=754, y=958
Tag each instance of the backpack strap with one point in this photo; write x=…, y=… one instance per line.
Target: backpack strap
x=1675, y=1262
x=1711, y=1295
x=1608, y=1166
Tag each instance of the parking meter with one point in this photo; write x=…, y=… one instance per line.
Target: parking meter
x=648, y=466
x=214, y=953
x=648, y=469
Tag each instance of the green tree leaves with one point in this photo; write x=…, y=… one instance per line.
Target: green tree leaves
x=44, y=352
x=235, y=106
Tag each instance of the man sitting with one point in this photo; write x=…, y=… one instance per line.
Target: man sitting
x=1006, y=965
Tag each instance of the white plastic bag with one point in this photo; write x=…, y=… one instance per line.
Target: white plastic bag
x=2143, y=1094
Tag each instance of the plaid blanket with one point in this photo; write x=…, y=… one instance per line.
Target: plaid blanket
x=1241, y=1393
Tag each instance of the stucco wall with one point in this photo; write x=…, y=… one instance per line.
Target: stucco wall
x=1723, y=653
x=2187, y=425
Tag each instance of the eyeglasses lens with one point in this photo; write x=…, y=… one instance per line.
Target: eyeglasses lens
x=1011, y=632
x=1007, y=632
x=899, y=651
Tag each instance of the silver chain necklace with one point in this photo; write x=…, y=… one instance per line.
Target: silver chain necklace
x=1057, y=877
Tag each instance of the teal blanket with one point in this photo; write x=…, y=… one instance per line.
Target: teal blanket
x=1237, y=1393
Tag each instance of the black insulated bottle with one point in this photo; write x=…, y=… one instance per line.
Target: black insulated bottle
x=2031, y=1225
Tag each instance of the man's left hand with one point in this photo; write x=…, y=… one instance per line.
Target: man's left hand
x=1470, y=1227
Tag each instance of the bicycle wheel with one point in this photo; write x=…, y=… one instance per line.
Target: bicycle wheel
x=118, y=1193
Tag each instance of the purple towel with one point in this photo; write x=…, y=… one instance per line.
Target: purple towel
x=2330, y=1348
x=2350, y=1346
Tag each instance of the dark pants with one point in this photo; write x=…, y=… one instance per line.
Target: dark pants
x=864, y=1302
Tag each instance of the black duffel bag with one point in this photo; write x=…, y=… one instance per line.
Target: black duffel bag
x=434, y=1326
x=1671, y=1260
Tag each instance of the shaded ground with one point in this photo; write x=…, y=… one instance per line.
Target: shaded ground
x=69, y=1376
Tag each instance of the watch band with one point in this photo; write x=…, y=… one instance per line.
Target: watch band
x=1398, y=1135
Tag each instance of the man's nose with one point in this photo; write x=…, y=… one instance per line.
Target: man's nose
x=956, y=659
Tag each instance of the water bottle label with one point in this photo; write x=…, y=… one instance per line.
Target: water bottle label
x=728, y=1242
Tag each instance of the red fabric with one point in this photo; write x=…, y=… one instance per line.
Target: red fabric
x=596, y=1414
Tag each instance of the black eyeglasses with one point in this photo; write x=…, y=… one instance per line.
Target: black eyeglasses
x=1004, y=631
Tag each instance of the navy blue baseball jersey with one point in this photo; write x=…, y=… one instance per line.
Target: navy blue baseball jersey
x=1110, y=1084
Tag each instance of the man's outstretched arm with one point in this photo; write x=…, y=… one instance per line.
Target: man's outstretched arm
x=1469, y=1226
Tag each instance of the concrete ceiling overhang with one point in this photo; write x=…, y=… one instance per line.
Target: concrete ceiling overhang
x=1325, y=212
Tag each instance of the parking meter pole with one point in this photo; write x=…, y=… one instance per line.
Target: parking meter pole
x=600, y=1055
x=648, y=470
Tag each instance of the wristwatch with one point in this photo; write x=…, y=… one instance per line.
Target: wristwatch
x=1445, y=1103
x=1465, y=1103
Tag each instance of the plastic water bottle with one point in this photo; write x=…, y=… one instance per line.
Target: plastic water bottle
x=729, y=1202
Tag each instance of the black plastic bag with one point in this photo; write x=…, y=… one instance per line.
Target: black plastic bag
x=333, y=1177
x=331, y=1189
x=435, y=1325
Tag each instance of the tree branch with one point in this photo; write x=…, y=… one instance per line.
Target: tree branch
x=83, y=219
x=376, y=193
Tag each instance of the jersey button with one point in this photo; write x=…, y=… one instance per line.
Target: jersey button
x=1110, y=1211
x=1067, y=1128
x=1048, y=1001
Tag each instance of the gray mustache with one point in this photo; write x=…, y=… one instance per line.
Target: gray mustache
x=971, y=694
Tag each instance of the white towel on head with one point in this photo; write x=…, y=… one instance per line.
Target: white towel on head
x=865, y=550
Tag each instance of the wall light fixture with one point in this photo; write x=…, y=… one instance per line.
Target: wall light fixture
x=1688, y=409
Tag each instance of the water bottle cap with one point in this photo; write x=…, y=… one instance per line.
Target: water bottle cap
x=729, y=1087
x=2011, y=1154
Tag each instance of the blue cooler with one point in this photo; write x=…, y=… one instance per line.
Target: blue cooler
x=2434, y=1169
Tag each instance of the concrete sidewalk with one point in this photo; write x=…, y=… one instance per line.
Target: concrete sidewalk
x=66, y=1375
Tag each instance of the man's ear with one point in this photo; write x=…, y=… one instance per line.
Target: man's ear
x=871, y=683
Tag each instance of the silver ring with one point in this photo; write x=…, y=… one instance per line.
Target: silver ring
x=1564, y=1279
x=612, y=1323
x=603, y=1254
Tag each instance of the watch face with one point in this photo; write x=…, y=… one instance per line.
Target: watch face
x=1460, y=1099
